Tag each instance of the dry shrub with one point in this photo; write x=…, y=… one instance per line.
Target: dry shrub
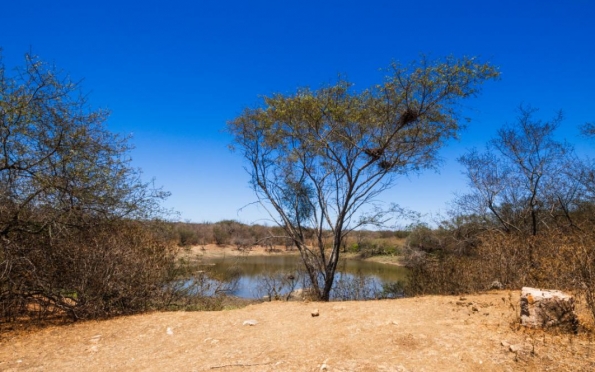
x=279, y=286
x=445, y=274
x=355, y=287
x=104, y=270
x=560, y=259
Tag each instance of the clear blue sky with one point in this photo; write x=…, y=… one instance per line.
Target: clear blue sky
x=173, y=72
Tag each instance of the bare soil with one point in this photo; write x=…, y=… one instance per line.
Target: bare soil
x=213, y=250
x=433, y=333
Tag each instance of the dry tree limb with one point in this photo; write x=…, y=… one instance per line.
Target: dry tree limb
x=241, y=365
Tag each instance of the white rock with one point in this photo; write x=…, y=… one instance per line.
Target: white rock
x=515, y=348
x=546, y=308
x=496, y=285
x=169, y=331
x=315, y=312
x=93, y=349
x=250, y=322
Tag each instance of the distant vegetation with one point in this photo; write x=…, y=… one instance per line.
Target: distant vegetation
x=364, y=243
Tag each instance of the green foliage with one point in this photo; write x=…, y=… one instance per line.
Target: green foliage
x=318, y=156
x=187, y=237
x=377, y=247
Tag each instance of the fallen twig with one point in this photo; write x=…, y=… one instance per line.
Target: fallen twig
x=241, y=365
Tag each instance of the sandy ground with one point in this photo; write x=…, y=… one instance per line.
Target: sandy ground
x=434, y=333
x=213, y=250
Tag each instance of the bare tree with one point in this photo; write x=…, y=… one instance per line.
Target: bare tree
x=521, y=179
x=318, y=157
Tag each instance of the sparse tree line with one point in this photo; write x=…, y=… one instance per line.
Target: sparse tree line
x=244, y=236
x=528, y=220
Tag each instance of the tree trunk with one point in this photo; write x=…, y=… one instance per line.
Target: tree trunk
x=331, y=268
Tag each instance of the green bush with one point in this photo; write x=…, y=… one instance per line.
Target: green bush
x=187, y=237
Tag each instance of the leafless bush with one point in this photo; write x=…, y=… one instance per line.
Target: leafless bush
x=355, y=287
x=101, y=271
x=197, y=287
x=277, y=286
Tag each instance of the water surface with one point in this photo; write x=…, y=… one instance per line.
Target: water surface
x=259, y=275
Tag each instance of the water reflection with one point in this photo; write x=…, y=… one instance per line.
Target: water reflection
x=258, y=276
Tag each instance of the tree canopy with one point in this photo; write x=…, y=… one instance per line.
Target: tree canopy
x=72, y=209
x=318, y=156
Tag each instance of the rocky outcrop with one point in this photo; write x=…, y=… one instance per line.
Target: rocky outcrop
x=542, y=308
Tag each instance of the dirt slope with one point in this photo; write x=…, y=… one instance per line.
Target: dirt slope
x=436, y=333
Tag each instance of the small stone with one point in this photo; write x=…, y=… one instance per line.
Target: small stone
x=463, y=298
x=93, y=349
x=315, y=313
x=496, y=285
x=515, y=348
x=505, y=343
x=474, y=308
x=169, y=331
x=250, y=322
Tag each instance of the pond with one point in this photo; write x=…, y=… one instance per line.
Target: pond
x=259, y=276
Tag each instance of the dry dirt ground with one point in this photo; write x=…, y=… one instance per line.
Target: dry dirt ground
x=433, y=333
x=216, y=251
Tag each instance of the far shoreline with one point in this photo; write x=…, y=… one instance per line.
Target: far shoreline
x=209, y=251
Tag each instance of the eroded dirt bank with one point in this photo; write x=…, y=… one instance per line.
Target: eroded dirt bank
x=435, y=333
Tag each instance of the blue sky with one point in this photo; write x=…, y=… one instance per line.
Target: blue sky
x=174, y=72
